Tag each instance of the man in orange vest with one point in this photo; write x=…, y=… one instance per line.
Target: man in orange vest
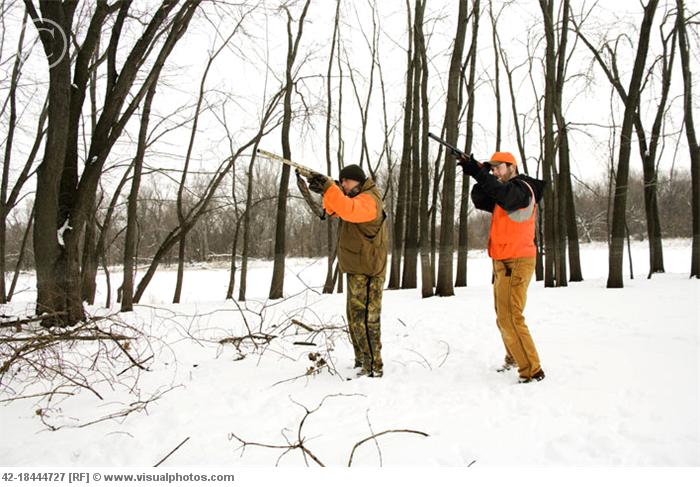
x=512, y=199
x=362, y=254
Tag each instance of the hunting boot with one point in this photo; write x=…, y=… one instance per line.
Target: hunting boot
x=538, y=376
x=508, y=364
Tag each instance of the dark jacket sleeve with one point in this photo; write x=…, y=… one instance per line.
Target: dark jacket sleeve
x=537, y=186
x=481, y=200
x=510, y=196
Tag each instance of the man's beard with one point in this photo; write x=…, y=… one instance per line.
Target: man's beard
x=507, y=177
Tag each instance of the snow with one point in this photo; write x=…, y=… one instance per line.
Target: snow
x=61, y=231
x=622, y=385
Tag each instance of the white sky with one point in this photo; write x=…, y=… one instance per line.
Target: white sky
x=254, y=62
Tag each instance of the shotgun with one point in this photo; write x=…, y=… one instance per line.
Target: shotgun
x=453, y=150
x=303, y=170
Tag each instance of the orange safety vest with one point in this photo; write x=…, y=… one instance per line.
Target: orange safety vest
x=512, y=234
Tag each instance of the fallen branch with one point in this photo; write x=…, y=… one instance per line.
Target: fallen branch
x=352, y=453
x=171, y=452
x=302, y=325
x=301, y=444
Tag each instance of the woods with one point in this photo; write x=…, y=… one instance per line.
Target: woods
x=80, y=191
x=296, y=232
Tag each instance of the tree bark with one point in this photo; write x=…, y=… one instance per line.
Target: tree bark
x=693, y=147
x=463, y=247
x=410, y=262
x=426, y=276
x=615, y=279
x=445, y=281
x=405, y=168
x=6, y=163
x=277, y=283
x=63, y=200
x=564, y=178
x=129, y=267
x=329, y=284
x=551, y=275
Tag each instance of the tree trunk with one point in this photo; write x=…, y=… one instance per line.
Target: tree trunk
x=405, y=168
x=426, y=276
x=497, y=77
x=433, y=213
x=615, y=279
x=651, y=204
x=550, y=220
x=105, y=267
x=572, y=234
x=277, y=283
x=6, y=163
x=129, y=267
x=463, y=248
x=234, y=244
x=445, y=281
x=181, y=248
x=409, y=277
x=330, y=241
x=90, y=258
x=20, y=256
x=246, y=228
x=690, y=135
x=564, y=177
x=52, y=294
x=183, y=179
x=63, y=200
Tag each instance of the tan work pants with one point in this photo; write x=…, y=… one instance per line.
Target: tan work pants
x=511, y=280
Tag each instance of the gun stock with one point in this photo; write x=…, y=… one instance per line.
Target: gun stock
x=303, y=170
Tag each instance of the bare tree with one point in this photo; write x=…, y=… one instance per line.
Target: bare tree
x=363, y=105
x=445, y=282
x=132, y=205
x=425, y=268
x=404, y=169
x=199, y=207
x=563, y=188
x=63, y=199
x=277, y=283
x=186, y=163
x=693, y=147
x=647, y=150
x=615, y=279
x=463, y=247
x=242, y=289
x=519, y=136
x=9, y=201
x=330, y=243
x=496, y=81
x=409, y=276
x=553, y=268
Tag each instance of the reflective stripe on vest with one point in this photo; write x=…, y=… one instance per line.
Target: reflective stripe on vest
x=512, y=234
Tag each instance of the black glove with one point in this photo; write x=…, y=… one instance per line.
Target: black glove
x=318, y=183
x=470, y=166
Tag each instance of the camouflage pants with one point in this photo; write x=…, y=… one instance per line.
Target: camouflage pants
x=364, y=308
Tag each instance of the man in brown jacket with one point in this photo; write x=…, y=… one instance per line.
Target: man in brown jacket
x=362, y=255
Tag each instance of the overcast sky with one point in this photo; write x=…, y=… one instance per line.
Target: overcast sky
x=252, y=67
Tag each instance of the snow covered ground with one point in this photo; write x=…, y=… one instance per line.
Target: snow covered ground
x=622, y=385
